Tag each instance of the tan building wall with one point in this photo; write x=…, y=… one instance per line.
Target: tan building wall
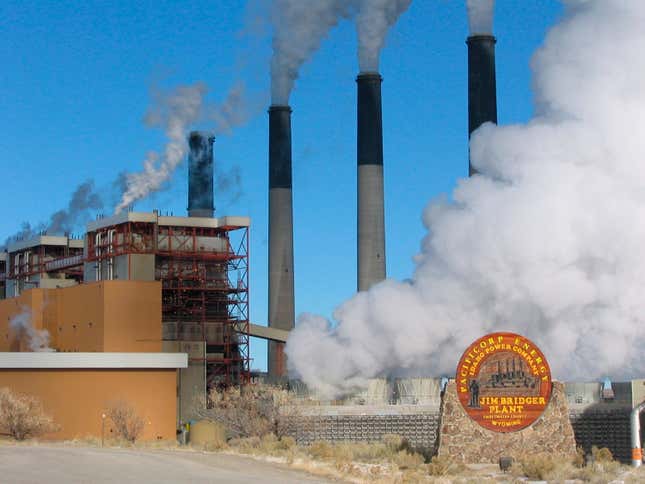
x=108, y=316
x=76, y=398
x=32, y=301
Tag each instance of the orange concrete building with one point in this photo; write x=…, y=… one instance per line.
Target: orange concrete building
x=77, y=388
x=105, y=341
x=112, y=316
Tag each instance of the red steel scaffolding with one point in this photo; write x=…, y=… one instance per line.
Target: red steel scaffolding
x=40, y=260
x=204, y=273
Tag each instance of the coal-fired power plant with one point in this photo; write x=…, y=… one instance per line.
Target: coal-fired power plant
x=200, y=174
x=371, y=216
x=482, y=90
x=281, y=292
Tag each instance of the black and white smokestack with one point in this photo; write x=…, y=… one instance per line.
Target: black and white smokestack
x=281, y=292
x=371, y=216
x=200, y=175
x=482, y=89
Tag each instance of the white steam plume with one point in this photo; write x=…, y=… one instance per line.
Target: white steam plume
x=298, y=29
x=480, y=16
x=548, y=241
x=175, y=112
x=37, y=339
x=374, y=19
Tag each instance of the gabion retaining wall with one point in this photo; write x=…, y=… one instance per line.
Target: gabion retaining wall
x=602, y=428
x=608, y=427
x=420, y=430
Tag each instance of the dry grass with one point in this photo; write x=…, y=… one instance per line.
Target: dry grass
x=360, y=461
x=22, y=416
x=600, y=468
x=445, y=466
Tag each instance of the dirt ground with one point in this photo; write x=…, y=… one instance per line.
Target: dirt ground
x=58, y=464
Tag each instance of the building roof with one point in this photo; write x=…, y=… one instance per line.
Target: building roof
x=50, y=360
x=51, y=240
x=154, y=217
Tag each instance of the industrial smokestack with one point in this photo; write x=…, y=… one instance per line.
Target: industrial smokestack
x=281, y=294
x=371, y=217
x=200, y=175
x=482, y=90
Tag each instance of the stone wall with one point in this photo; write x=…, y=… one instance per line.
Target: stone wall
x=463, y=439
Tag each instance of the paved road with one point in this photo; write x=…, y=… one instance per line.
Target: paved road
x=52, y=464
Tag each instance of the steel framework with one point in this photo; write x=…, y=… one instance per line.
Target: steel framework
x=204, y=273
x=44, y=259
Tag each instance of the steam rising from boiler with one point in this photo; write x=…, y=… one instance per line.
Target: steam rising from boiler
x=298, y=30
x=175, y=112
x=36, y=339
x=373, y=21
x=300, y=27
x=547, y=241
x=480, y=16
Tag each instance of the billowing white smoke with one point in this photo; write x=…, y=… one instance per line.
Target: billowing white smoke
x=373, y=21
x=175, y=112
x=298, y=29
x=547, y=242
x=37, y=339
x=232, y=112
x=480, y=16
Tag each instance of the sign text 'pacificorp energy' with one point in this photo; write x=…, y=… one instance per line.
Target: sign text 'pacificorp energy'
x=503, y=382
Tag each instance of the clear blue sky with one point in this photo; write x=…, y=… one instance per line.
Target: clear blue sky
x=75, y=83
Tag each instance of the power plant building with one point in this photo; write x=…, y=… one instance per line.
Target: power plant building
x=45, y=261
x=202, y=264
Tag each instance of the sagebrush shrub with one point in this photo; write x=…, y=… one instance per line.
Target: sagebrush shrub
x=128, y=424
x=22, y=416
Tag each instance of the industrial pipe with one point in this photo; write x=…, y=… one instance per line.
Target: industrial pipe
x=637, y=451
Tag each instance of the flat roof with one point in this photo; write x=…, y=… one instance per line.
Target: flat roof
x=154, y=217
x=38, y=241
x=227, y=221
x=47, y=360
x=76, y=243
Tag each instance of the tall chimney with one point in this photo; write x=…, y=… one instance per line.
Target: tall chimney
x=371, y=217
x=482, y=90
x=281, y=293
x=200, y=175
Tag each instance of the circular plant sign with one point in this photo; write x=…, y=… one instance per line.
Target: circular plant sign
x=503, y=382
